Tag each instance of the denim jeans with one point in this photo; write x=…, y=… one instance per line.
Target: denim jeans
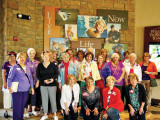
x=113, y=114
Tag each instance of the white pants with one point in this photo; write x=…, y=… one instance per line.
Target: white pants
x=7, y=99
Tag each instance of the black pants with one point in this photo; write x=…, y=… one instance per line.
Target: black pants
x=72, y=115
x=137, y=116
x=122, y=90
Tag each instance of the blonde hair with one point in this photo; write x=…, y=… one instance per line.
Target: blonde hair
x=146, y=54
x=54, y=52
x=133, y=54
x=110, y=78
x=69, y=76
x=29, y=50
x=115, y=54
x=102, y=50
x=132, y=76
x=45, y=53
x=65, y=54
x=21, y=54
x=100, y=21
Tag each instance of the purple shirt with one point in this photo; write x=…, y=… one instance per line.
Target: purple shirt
x=33, y=67
x=7, y=67
x=16, y=74
x=116, y=72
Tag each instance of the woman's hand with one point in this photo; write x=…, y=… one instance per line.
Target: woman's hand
x=132, y=111
x=75, y=109
x=67, y=111
x=10, y=90
x=95, y=111
x=37, y=84
x=105, y=116
x=46, y=81
x=60, y=85
x=88, y=111
x=146, y=72
x=141, y=111
x=51, y=80
x=5, y=85
x=32, y=91
x=119, y=80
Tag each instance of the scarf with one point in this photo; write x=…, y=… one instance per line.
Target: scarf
x=66, y=65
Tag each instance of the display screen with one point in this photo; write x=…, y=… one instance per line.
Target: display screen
x=154, y=51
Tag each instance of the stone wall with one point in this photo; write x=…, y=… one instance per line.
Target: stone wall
x=30, y=32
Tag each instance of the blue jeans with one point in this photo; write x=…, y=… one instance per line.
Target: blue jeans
x=113, y=114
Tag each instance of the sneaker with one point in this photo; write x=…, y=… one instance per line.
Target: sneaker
x=26, y=115
x=6, y=114
x=35, y=113
x=44, y=117
x=55, y=117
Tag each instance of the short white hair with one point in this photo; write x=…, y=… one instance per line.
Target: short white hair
x=115, y=54
x=31, y=49
x=133, y=55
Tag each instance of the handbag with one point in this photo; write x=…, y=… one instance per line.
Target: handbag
x=30, y=89
x=153, y=82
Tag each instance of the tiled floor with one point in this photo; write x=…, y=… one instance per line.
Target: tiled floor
x=154, y=114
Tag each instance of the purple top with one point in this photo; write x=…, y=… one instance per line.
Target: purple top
x=16, y=74
x=33, y=67
x=144, y=75
x=116, y=71
x=7, y=67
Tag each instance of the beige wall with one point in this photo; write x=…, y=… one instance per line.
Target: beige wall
x=147, y=14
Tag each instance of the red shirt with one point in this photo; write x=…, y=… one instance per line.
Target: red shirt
x=115, y=99
x=131, y=71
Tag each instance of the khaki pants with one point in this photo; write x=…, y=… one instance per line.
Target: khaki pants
x=147, y=86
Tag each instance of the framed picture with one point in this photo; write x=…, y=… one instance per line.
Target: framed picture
x=92, y=26
x=114, y=35
x=112, y=48
x=58, y=44
x=66, y=16
x=71, y=32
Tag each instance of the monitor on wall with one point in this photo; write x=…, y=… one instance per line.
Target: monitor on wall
x=154, y=51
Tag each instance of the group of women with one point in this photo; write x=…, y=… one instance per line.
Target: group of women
x=92, y=85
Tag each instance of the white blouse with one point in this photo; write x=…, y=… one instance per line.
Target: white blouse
x=66, y=96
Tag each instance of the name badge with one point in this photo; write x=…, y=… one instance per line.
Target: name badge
x=18, y=69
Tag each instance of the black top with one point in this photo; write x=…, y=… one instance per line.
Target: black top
x=47, y=73
x=141, y=95
x=90, y=100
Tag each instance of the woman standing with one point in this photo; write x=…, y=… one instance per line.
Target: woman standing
x=65, y=68
x=133, y=67
x=21, y=74
x=117, y=71
x=90, y=100
x=135, y=98
x=149, y=70
x=126, y=58
x=112, y=102
x=78, y=62
x=70, y=98
x=5, y=72
x=104, y=71
x=32, y=63
x=47, y=73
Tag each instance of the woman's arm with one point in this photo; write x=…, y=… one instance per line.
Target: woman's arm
x=4, y=78
x=122, y=75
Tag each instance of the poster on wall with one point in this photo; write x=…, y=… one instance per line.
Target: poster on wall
x=58, y=44
x=66, y=16
x=112, y=48
x=115, y=16
x=114, y=35
x=71, y=32
x=92, y=26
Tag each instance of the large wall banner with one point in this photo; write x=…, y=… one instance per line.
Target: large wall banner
x=115, y=16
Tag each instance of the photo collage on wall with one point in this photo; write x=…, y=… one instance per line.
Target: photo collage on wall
x=85, y=26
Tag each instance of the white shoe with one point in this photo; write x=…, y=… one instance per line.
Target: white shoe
x=55, y=117
x=35, y=113
x=44, y=117
x=26, y=115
